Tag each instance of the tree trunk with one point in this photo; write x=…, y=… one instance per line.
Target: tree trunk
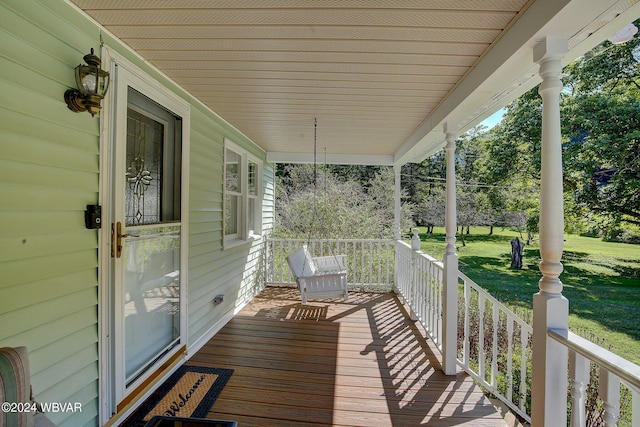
x=517, y=249
x=530, y=238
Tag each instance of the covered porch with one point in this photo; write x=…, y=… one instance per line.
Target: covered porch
x=377, y=359
x=390, y=86
x=360, y=362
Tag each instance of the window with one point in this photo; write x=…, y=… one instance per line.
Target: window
x=253, y=214
x=242, y=193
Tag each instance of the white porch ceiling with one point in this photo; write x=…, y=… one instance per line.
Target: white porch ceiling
x=380, y=76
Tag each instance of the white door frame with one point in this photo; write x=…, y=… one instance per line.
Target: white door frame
x=125, y=74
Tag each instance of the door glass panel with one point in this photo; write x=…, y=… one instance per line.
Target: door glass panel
x=143, y=192
x=152, y=295
x=150, y=263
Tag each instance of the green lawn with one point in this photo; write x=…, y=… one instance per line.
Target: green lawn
x=601, y=281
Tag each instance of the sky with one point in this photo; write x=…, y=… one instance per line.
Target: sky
x=494, y=119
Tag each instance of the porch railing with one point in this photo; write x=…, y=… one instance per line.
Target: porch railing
x=369, y=262
x=494, y=344
x=419, y=281
x=617, y=376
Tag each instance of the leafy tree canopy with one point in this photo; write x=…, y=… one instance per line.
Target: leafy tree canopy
x=323, y=204
x=600, y=112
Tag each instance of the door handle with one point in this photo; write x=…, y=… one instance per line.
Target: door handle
x=118, y=239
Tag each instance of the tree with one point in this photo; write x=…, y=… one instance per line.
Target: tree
x=418, y=178
x=606, y=68
x=601, y=133
x=602, y=154
x=324, y=205
x=513, y=149
x=380, y=190
x=468, y=211
x=430, y=208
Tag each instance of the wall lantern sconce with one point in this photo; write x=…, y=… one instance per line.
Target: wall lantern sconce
x=92, y=82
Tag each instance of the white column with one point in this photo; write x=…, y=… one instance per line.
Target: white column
x=398, y=205
x=550, y=307
x=450, y=285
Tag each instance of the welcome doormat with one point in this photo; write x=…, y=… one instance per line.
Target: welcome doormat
x=189, y=392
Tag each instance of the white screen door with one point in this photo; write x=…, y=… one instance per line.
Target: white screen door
x=147, y=232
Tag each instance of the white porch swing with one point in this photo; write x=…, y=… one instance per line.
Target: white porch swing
x=318, y=277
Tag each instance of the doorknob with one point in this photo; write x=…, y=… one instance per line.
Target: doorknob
x=118, y=239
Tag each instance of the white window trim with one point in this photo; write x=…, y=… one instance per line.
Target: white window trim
x=244, y=234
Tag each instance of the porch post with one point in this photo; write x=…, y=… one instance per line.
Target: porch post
x=450, y=285
x=398, y=203
x=550, y=307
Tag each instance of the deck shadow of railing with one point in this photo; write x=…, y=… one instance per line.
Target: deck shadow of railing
x=495, y=344
x=415, y=388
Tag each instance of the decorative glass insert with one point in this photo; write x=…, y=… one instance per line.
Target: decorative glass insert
x=251, y=220
x=143, y=192
x=231, y=217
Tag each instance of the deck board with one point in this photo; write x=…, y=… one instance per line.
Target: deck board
x=360, y=362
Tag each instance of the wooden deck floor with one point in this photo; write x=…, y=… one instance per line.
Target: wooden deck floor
x=356, y=363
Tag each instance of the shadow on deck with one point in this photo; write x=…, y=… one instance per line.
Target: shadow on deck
x=360, y=362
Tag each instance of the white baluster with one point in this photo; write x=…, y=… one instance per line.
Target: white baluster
x=495, y=317
x=481, y=352
x=467, y=313
x=579, y=376
x=635, y=408
x=371, y=262
x=609, y=391
x=397, y=202
x=412, y=285
x=524, y=339
x=510, y=357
